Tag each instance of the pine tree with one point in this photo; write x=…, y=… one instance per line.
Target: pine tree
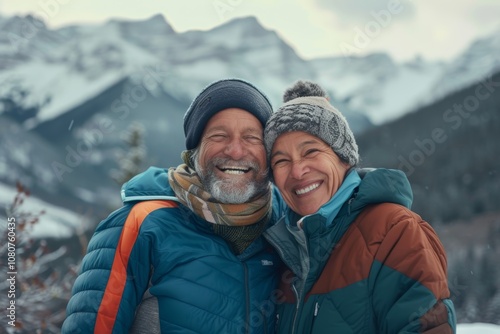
x=35, y=282
x=492, y=314
x=130, y=160
x=492, y=285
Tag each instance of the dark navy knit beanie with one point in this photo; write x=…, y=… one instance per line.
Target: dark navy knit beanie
x=220, y=95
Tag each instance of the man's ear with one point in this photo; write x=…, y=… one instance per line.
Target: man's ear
x=187, y=157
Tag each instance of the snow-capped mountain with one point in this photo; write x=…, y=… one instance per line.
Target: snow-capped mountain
x=64, y=68
x=56, y=222
x=375, y=85
x=92, y=58
x=240, y=48
x=476, y=64
x=59, y=86
x=24, y=39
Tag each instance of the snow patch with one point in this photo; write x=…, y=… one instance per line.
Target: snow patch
x=55, y=222
x=478, y=328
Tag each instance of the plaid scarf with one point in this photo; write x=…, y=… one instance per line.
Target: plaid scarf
x=190, y=192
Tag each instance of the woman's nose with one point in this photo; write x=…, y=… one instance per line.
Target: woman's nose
x=298, y=169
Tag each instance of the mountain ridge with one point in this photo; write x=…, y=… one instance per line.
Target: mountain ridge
x=106, y=71
x=373, y=85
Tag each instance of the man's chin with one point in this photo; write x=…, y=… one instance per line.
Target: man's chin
x=233, y=188
x=243, y=177
x=234, y=185
x=233, y=193
x=239, y=179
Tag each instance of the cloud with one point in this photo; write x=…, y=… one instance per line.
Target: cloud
x=486, y=12
x=358, y=11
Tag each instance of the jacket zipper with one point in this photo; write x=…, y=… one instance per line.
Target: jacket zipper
x=294, y=323
x=247, y=299
x=315, y=314
x=281, y=253
x=265, y=320
x=350, y=202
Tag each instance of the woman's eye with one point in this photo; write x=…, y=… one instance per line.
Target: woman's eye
x=279, y=163
x=311, y=151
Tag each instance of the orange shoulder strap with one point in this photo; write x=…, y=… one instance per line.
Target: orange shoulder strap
x=108, y=310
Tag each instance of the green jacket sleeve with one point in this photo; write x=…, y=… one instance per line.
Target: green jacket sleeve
x=408, y=280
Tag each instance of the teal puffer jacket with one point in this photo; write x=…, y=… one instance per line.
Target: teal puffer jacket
x=155, y=242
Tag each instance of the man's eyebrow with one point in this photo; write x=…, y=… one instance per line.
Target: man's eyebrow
x=243, y=131
x=253, y=130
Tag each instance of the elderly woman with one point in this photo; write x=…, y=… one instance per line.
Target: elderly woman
x=360, y=260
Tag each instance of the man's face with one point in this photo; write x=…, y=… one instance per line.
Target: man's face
x=232, y=160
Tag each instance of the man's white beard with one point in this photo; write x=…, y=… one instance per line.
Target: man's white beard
x=230, y=190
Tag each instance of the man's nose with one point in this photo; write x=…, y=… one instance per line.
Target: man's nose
x=235, y=149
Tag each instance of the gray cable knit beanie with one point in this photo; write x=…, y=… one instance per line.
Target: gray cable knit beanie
x=307, y=109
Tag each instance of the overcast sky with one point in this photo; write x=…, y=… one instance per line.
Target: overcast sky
x=436, y=30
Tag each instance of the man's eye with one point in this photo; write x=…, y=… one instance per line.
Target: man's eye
x=254, y=139
x=217, y=136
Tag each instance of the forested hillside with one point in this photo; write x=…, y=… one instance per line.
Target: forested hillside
x=450, y=151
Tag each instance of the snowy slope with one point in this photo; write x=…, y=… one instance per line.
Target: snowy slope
x=61, y=69
x=240, y=48
x=27, y=38
x=375, y=85
x=155, y=28
x=478, y=328
x=55, y=89
x=475, y=64
x=55, y=222
x=25, y=156
x=96, y=60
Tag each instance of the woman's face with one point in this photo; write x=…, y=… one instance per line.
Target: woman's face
x=306, y=171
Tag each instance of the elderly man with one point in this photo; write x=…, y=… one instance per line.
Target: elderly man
x=190, y=236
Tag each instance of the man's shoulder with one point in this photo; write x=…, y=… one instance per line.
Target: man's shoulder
x=152, y=184
x=135, y=212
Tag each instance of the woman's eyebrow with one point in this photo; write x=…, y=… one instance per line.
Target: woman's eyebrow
x=300, y=145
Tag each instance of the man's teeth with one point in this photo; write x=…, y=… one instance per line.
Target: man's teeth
x=235, y=171
x=307, y=189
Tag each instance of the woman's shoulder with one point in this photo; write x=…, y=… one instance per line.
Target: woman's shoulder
x=377, y=220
